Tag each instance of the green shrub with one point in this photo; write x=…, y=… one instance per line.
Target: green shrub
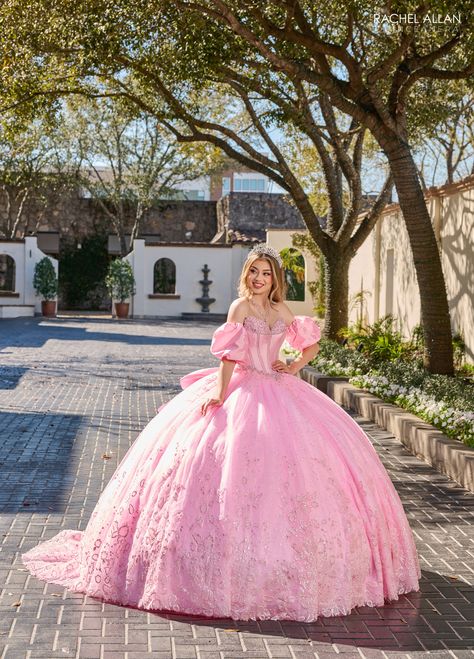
x=379, y=341
x=378, y=360
x=445, y=402
x=45, y=281
x=334, y=359
x=120, y=280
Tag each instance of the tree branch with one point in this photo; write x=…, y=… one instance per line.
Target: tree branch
x=370, y=220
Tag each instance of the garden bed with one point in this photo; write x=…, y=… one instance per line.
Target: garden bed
x=379, y=374
x=446, y=455
x=447, y=403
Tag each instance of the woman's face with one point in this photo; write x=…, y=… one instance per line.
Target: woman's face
x=259, y=278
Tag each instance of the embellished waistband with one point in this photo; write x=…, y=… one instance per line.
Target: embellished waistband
x=274, y=375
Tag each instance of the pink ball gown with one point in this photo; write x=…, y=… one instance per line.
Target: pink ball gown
x=274, y=505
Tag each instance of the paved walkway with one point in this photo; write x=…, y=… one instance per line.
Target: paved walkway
x=73, y=395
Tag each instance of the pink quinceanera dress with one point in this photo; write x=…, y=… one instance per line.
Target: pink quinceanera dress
x=274, y=505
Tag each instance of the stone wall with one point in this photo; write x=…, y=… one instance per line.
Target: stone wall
x=251, y=213
x=72, y=216
x=169, y=221
x=75, y=217
x=238, y=216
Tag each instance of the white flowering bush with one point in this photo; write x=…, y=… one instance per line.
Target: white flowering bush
x=454, y=422
x=335, y=359
x=445, y=402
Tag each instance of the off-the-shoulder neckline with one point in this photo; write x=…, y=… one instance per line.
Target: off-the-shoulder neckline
x=270, y=327
x=236, y=322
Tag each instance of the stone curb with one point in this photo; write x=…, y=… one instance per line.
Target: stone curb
x=444, y=454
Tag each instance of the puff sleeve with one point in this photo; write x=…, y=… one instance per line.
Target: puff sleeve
x=303, y=332
x=230, y=342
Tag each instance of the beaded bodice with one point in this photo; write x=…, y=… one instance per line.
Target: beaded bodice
x=255, y=345
x=263, y=343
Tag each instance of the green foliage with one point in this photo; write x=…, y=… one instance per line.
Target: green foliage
x=120, y=280
x=380, y=341
x=445, y=402
x=335, y=359
x=293, y=265
x=459, y=349
x=82, y=273
x=30, y=180
x=45, y=281
x=305, y=243
x=467, y=370
x=378, y=344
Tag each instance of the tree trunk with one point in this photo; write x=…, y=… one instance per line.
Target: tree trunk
x=122, y=241
x=435, y=316
x=336, y=268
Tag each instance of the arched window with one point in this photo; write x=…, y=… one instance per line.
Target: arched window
x=7, y=273
x=164, y=277
x=293, y=264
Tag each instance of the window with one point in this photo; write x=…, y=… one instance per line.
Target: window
x=164, y=277
x=249, y=184
x=293, y=264
x=225, y=185
x=194, y=195
x=7, y=273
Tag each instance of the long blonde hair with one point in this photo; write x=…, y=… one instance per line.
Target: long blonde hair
x=278, y=289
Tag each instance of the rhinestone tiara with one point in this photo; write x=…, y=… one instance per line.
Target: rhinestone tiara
x=262, y=249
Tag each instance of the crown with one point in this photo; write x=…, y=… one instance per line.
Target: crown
x=262, y=249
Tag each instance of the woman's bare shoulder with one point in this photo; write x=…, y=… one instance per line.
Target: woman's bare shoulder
x=285, y=312
x=238, y=310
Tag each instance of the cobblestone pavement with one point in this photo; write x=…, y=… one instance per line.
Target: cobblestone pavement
x=73, y=395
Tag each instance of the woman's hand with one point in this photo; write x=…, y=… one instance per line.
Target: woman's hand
x=211, y=402
x=281, y=367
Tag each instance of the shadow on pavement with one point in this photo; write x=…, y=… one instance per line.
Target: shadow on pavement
x=33, y=333
x=36, y=466
x=10, y=376
x=438, y=617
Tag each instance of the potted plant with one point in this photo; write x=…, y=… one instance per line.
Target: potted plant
x=121, y=285
x=45, y=282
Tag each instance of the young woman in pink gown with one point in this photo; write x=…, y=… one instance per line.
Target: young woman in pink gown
x=250, y=495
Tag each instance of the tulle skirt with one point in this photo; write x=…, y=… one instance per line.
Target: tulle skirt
x=274, y=505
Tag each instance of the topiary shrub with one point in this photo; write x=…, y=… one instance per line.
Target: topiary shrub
x=45, y=280
x=120, y=280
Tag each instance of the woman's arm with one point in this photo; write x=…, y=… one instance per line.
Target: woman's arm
x=223, y=378
x=306, y=356
x=237, y=312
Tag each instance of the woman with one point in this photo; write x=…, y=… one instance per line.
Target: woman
x=251, y=495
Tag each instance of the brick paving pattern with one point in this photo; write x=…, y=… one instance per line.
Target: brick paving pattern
x=73, y=395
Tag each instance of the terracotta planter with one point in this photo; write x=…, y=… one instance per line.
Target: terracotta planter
x=121, y=309
x=48, y=308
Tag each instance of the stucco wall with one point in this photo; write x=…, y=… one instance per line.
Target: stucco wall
x=225, y=263
x=362, y=294
x=384, y=264
x=457, y=245
x=26, y=255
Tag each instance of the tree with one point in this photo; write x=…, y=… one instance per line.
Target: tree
x=372, y=73
x=125, y=160
x=446, y=151
x=28, y=184
x=235, y=116
x=287, y=53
